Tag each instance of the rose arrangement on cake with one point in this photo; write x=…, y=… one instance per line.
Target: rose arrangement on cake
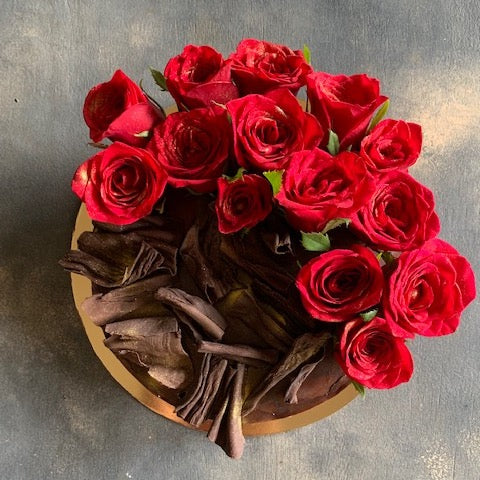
x=252, y=254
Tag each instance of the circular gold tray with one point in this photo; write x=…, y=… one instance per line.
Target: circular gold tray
x=82, y=289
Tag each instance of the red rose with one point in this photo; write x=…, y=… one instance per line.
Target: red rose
x=399, y=216
x=199, y=76
x=339, y=284
x=392, y=145
x=242, y=203
x=260, y=66
x=119, y=110
x=120, y=184
x=344, y=104
x=369, y=354
x=193, y=147
x=428, y=290
x=268, y=128
x=317, y=188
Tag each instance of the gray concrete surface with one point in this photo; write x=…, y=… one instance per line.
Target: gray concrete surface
x=61, y=415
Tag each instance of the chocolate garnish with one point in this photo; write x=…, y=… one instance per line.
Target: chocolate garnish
x=276, y=235
x=196, y=408
x=201, y=255
x=226, y=429
x=241, y=307
x=134, y=301
x=240, y=353
x=204, y=314
x=132, y=263
x=252, y=255
x=304, y=372
x=303, y=348
x=154, y=343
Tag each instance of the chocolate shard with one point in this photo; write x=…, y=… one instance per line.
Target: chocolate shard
x=288, y=302
x=268, y=327
x=226, y=429
x=201, y=312
x=201, y=255
x=252, y=255
x=133, y=301
x=154, y=343
x=110, y=260
x=196, y=410
x=276, y=235
x=302, y=375
x=303, y=349
x=240, y=353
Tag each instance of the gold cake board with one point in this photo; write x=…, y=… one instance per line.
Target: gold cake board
x=82, y=288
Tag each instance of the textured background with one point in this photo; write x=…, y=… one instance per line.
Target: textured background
x=61, y=415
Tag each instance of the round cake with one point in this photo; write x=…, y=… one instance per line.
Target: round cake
x=252, y=254
x=208, y=321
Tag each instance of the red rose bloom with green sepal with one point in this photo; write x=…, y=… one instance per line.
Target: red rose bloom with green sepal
x=344, y=104
x=427, y=290
x=120, y=184
x=318, y=187
x=120, y=111
x=337, y=285
x=243, y=202
x=269, y=128
x=199, y=77
x=391, y=145
x=371, y=356
x=193, y=147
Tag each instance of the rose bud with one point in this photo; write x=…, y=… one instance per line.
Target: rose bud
x=399, y=216
x=337, y=285
x=199, y=77
x=344, y=104
x=370, y=355
x=428, y=290
x=317, y=188
x=268, y=128
x=242, y=203
x=391, y=145
x=120, y=184
x=119, y=110
x=193, y=147
x=259, y=66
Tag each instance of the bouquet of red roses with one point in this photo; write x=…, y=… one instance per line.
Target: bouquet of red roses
x=332, y=168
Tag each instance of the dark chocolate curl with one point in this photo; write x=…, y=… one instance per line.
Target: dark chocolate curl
x=240, y=353
x=241, y=308
x=204, y=314
x=154, y=343
x=197, y=408
x=305, y=371
x=252, y=255
x=304, y=348
x=127, y=268
x=226, y=429
x=134, y=301
x=200, y=252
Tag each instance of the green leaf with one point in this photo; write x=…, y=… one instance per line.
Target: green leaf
x=307, y=54
x=370, y=315
x=388, y=258
x=315, y=242
x=336, y=222
x=143, y=134
x=333, y=145
x=237, y=176
x=359, y=388
x=378, y=115
x=275, y=179
x=159, y=79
